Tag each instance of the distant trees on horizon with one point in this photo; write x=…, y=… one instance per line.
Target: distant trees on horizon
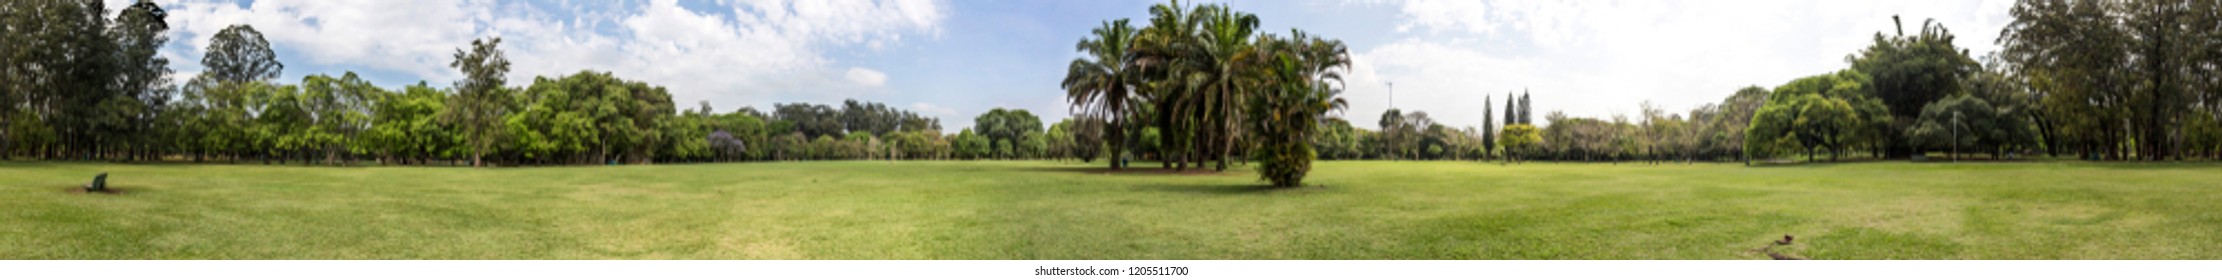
x=81, y=87
x=2098, y=80
x=1192, y=85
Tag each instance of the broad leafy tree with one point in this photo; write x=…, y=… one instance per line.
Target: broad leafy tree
x=1965, y=123
x=238, y=54
x=405, y=125
x=1005, y=127
x=1815, y=113
x=1520, y=139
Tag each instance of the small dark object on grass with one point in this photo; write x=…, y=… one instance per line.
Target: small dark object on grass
x=1769, y=249
x=100, y=183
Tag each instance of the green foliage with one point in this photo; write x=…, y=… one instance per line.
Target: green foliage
x=857, y=146
x=1911, y=71
x=2111, y=79
x=61, y=62
x=1064, y=139
x=1831, y=111
x=1147, y=141
x=1003, y=149
x=1520, y=139
x=1033, y=145
x=339, y=113
x=1488, y=126
x=824, y=147
x=1100, y=87
x=913, y=145
x=1198, y=62
x=1966, y=123
x=1006, y=127
x=593, y=117
x=406, y=127
x=790, y=146
x=811, y=120
x=481, y=99
x=1302, y=78
x=2117, y=79
x=1337, y=139
x=879, y=120
x=1395, y=130
x=108, y=97
x=2204, y=134
x=239, y=54
x=1728, y=121
x=971, y=145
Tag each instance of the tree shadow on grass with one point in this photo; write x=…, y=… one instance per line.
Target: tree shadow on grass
x=1819, y=163
x=2143, y=165
x=2119, y=165
x=110, y=190
x=1127, y=171
x=1226, y=189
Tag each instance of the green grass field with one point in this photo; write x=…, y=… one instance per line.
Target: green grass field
x=1051, y=210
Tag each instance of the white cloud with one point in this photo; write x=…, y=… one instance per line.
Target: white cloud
x=1597, y=58
x=410, y=36
x=750, y=51
x=1448, y=82
x=867, y=77
x=931, y=109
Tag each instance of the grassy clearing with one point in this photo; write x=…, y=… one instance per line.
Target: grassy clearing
x=1047, y=210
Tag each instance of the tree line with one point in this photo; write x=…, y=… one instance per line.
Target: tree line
x=2096, y=80
x=1710, y=132
x=83, y=87
x=1194, y=84
x=2118, y=80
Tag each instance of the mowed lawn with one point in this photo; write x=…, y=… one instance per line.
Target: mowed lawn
x=1057, y=210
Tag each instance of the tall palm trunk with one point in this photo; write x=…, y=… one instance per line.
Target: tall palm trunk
x=1116, y=116
x=1118, y=143
x=1226, y=137
x=1168, y=137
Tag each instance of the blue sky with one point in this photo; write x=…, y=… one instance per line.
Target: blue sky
x=955, y=59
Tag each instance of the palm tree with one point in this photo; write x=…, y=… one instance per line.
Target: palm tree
x=1097, y=85
x=1192, y=60
x=1299, y=83
x=1209, y=81
x=1159, y=56
x=1226, y=54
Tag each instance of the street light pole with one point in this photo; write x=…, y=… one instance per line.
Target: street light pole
x=1955, y=136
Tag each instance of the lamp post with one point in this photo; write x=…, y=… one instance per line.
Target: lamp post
x=1955, y=136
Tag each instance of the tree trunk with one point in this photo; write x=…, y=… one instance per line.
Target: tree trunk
x=1180, y=161
x=1118, y=143
x=6, y=150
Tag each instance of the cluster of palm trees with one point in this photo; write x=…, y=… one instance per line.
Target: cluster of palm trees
x=1212, y=85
